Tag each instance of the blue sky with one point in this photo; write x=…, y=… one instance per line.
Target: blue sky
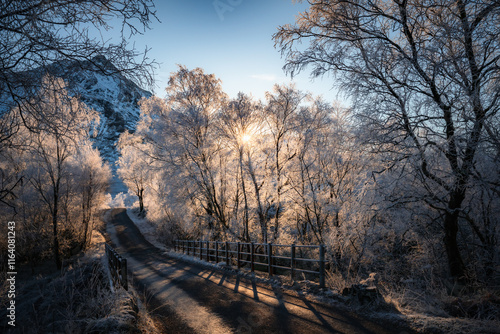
x=230, y=38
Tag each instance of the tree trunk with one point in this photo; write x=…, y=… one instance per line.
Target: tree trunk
x=455, y=261
x=87, y=214
x=260, y=211
x=246, y=234
x=57, y=256
x=140, y=194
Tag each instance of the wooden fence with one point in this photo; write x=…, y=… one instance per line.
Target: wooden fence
x=117, y=267
x=271, y=258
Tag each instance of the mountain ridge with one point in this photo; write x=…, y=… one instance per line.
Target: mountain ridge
x=101, y=86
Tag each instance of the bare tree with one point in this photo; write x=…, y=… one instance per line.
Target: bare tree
x=325, y=171
x=35, y=33
x=181, y=133
x=92, y=183
x=425, y=77
x=283, y=106
x=239, y=121
x=133, y=166
x=63, y=123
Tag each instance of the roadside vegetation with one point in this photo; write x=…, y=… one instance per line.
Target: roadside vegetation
x=402, y=186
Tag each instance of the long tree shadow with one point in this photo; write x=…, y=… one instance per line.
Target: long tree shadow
x=263, y=309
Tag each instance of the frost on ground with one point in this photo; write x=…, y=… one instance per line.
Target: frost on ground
x=385, y=310
x=77, y=300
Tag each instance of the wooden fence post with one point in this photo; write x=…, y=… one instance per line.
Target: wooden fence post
x=252, y=259
x=208, y=251
x=321, y=266
x=216, y=252
x=117, y=266
x=270, y=259
x=123, y=274
x=190, y=247
x=238, y=256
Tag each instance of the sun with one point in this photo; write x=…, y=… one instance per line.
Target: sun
x=246, y=138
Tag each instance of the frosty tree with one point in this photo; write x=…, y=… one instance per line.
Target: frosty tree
x=239, y=169
x=133, y=166
x=424, y=78
x=49, y=158
x=36, y=33
x=283, y=105
x=239, y=124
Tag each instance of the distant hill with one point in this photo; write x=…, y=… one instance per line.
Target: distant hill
x=100, y=85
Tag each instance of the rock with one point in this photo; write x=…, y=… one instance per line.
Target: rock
x=364, y=294
x=371, y=281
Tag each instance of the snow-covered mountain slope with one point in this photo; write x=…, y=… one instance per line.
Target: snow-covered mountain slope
x=113, y=96
x=100, y=85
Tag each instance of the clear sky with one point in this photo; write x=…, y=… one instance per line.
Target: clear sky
x=230, y=38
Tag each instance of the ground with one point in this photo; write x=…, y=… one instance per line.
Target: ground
x=194, y=299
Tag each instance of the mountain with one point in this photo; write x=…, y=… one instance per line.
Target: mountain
x=103, y=88
x=114, y=96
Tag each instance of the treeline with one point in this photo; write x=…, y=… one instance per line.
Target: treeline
x=52, y=179
x=296, y=169
x=223, y=169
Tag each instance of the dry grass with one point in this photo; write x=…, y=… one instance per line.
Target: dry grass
x=79, y=300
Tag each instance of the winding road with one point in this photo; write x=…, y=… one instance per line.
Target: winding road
x=191, y=299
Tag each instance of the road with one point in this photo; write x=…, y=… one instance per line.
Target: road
x=191, y=299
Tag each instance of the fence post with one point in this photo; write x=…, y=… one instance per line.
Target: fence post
x=208, y=251
x=227, y=253
x=252, y=252
x=292, y=262
x=238, y=255
x=270, y=259
x=216, y=252
x=123, y=273
x=201, y=250
x=321, y=266
x=113, y=260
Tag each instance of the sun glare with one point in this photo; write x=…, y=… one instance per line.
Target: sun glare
x=245, y=138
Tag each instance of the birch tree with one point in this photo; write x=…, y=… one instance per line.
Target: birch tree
x=134, y=166
x=35, y=33
x=63, y=125
x=92, y=177
x=239, y=122
x=283, y=106
x=424, y=76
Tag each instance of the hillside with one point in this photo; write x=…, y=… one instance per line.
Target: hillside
x=102, y=87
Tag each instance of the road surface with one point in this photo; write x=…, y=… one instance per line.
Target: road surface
x=191, y=299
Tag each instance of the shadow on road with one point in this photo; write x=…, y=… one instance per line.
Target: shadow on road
x=202, y=300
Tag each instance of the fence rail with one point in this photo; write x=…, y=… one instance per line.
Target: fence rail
x=117, y=266
x=270, y=258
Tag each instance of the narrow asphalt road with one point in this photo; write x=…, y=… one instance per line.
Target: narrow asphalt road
x=190, y=299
